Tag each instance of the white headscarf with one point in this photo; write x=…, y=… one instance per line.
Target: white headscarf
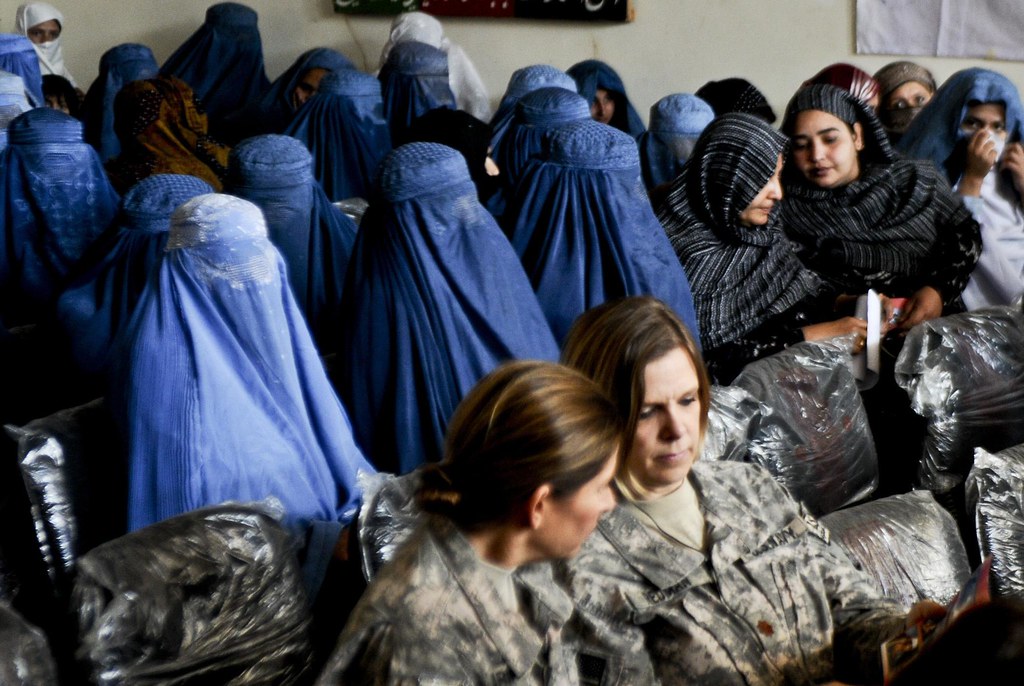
x=463, y=78
x=51, y=54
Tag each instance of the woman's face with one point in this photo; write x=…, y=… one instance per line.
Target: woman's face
x=44, y=32
x=668, y=426
x=603, y=107
x=908, y=95
x=760, y=208
x=825, y=149
x=988, y=116
x=572, y=518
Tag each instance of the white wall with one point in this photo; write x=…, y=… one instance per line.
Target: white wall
x=673, y=46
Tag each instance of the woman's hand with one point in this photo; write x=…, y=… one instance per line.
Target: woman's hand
x=1013, y=163
x=839, y=327
x=923, y=305
x=981, y=155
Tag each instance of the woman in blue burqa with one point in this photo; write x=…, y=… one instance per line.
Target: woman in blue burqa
x=13, y=101
x=222, y=61
x=274, y=110
x=17, y=56
x=344, y=128
x=106, y=285
x=435, y=299
x=314, y=237
x=414, y=80
x=586, y=233
x=603, y=89
x=120, y=65
x=217, y=387
x=55, y=201
x=523, y=81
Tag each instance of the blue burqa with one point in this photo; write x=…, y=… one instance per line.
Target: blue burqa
x=593, y=74
x=314, y=237
x=521, y=82
x=676, y=123
x=217, y=386
x=414, y=80
x=586, y=232
x=101, y=296
x=120, y=65
x=55, y=201
x=222, y=61
x=435, y=299
x=344, y=128
x=13, y=101
x=17, y=56
x=272, y=112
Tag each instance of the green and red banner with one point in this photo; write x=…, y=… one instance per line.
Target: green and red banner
x=576, y=10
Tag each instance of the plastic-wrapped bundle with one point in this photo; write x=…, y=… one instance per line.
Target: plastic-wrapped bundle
x=995, y=494
x=76, y=482
x=964, y=374
x=908, y=542
x=813, y=435
x=388, y=515
x=733, y=417
x=25, y=658
x=211, y=596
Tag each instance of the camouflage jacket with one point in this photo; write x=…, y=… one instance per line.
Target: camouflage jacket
x=431, y=616
x=761, y=607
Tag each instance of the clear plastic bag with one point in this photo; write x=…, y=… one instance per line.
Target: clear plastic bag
x=995, y=495
x=813, y=435
x=211, y=596
x=25, y=658
x=908, y=542
x=733, y=418
x=964, y=374
x=388, y=515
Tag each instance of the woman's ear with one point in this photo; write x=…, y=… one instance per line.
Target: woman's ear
x=858, y=136
x=537, y=505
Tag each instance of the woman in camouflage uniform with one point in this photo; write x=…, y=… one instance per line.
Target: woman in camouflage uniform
x=708, y=572
x=529, y=459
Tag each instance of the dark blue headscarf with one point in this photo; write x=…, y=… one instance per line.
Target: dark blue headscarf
x=101, y=297
x=676, y=123
x=56, y=200
x=17, y=56
x=222, y=61
x=344, y=128
x=314, y=237
x=414, y=80
x=586, y=232
x=593, y=74
x=539, y=114
x=217, y=386
x=935, y=131
x=522, y=82
x=274, y=111
x=435, y=299
x=120, y=65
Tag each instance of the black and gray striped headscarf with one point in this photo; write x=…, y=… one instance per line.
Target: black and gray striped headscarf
x=739, y=276
x=879, y=231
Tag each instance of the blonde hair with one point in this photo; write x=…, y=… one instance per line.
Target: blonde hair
x=613, y=344
x=524, y=425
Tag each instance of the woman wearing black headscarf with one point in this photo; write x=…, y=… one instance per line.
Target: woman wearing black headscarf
x=752, y=295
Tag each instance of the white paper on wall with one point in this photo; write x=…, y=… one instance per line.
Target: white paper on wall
x=945, y=28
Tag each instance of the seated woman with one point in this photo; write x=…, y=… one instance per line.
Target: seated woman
x=13, y=102
x=345, y=130
x=585, y=231
x=676, y=122
x=851, y=79
x=467, y=134
x=529, y=458
x=602, y=87
x=217, y=341
x=435, y=298
x=866, y=218
x=17, y=57
x=414, y=80
x=43, y=24
x=119, y=66
x=903, y=88
x=752, y=295
x=163, y=130
x=736, y=95
x=521, y=82
x=707, y=572
x=972, y=129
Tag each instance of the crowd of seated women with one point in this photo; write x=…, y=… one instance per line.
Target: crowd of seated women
x=527, y=319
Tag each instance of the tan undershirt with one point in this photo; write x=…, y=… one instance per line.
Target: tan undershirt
x=504, y=584
x=676, y=516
